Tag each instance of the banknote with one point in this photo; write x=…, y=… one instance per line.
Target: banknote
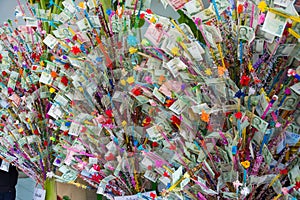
x=257, y=122
x=283, y=3
x=282, y=50
x=246, y=33
x=290, y=102
x=264, y=35
x=274, y=24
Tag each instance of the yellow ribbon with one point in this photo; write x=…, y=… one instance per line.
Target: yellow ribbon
x=294, y=18
x=274, y=179
x=293, y=33
x=179, y=29
x=221, y=55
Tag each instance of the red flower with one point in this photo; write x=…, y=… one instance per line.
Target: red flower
x=10, y=90
x=64, y=80
x=67, y=66
x=154, y=144
x=149, y=11
x=152, y=195
x=142, y=15
x=245, y=80
x=96, y=178
x=45, y=143
x=158, y=26
x=240, y=8
x=175, y=120
x=1, y=57
x=238, y=115
x=4, y=73
x=166, y=174
x=146, y=121
x=283, y=172
x=137, y=91
x=74, y=37
x=36, y=132
x=96, y=167
x=75, y=50
x=108, y=121
x=109, y=113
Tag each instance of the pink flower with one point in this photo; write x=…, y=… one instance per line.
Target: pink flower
x=261, y=18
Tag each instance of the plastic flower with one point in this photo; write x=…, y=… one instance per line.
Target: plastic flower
x=149, y=11
x=245, y=164
x=146, y=122
x=137, y=91
x=208, y=72
x=130, y=80
x=204, y=116
x=240, y=8
x=261, y=18
x=262, y=6
x=245, y=191
x=51, y=90
x=237, y=184
x=175, y=120
x=175, y=51
x=75, y=50
x=142, y=16
x=244, y=80
x=132, y=50
x=64, y=80
x=221, y=70
x=238, y=115
x=284, y=172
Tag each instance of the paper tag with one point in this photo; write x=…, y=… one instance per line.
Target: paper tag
x=12, y=80
x=152, y=176
x=39, y=194
x=4, y=166
x=50, y=41
x=84, y=24
x=176, y=175
x=178, y=107
x=158, y=95
x=154, y=35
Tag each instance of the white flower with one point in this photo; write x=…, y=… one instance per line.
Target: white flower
x=245, y=191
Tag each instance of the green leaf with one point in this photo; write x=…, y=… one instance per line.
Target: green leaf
x=185, y=19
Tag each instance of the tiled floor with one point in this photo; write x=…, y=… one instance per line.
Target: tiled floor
x=26, y=186
x=25, y=189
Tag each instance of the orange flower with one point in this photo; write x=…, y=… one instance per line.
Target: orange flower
x=204, y=116
x=53, y=74
x=240, y=9
x=245, y=164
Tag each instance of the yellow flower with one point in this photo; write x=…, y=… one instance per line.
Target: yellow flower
x=175, y=51
x=81, y=5
x=262, y=6
x=123, y=82
x=245, y=164
x=132, y=50
x=124, y=123
x=208, y=72
x=51, y=90
x=152, y=20
x=130, y=80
